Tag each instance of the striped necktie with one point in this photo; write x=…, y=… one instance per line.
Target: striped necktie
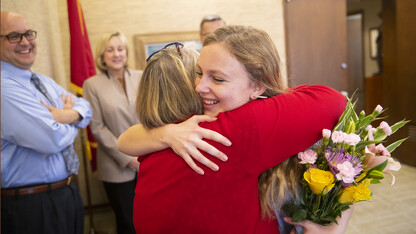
x=39, y=85
x=70, y=157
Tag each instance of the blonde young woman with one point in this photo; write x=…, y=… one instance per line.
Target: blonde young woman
x=237, y=64
x=112, y=95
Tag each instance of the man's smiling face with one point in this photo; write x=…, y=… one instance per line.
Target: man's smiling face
x=23, y=53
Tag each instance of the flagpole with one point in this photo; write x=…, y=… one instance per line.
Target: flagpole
x=87, y=183
x=82, y=67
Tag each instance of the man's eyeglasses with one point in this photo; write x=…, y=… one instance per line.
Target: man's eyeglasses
x=15, y=37
x=176, y=44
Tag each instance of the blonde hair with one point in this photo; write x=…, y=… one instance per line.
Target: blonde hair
x=279, y=185
x=255, y=50
x=166, y=92
x=102, y=45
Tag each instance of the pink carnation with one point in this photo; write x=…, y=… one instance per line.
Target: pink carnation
x=338, y=136
x=346, y=172
x=352, y=139
x=307, y=156
x=379, y=108
x=386, y=128
x=326, y=133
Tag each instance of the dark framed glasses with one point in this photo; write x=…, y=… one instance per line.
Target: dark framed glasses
x=15, y=37
x=178, y=46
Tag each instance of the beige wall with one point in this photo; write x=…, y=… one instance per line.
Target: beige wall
x=42, y=16
x=50, y=19
x=141, y=17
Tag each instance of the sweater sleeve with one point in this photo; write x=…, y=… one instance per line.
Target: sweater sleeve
x=266, y=132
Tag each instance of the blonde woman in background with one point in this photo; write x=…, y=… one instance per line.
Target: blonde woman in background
x=112, y=95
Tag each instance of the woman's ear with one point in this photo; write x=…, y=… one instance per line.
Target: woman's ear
x=257, y=91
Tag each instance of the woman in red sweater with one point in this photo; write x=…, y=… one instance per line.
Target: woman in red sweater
x=237, y=64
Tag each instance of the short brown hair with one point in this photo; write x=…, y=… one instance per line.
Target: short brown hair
x=209, y=18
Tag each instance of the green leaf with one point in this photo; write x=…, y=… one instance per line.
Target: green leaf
x=375, y=181
x=350, y=127
x=290, y=208
x=362, y=144
x=379, y=167
x=375, y=174
x=361, y=115
x=365, y=121
x=398, y=125
x=345, y=116
x=354, y=115
x=379, y=135
x=394, y=145
x=299, y=215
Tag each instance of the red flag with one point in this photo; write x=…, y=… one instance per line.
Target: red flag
x=82, y=63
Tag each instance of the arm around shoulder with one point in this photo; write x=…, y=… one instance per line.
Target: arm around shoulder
x=138, y=141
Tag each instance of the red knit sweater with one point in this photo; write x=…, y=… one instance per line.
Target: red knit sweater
x=172, y=198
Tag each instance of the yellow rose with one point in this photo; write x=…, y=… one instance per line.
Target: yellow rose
x=356, y=193
x=319, y=180
x=362, y=193
x=347, y=195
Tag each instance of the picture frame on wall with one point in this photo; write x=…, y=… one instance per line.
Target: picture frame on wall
x=147, y=44
x=374, y=33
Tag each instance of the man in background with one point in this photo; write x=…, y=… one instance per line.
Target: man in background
x=39, y=122
x=209, y=24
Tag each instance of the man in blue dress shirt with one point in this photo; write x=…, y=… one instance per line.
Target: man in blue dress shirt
x=39, y=122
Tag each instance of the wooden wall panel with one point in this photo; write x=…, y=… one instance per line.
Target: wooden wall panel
x=399, y=77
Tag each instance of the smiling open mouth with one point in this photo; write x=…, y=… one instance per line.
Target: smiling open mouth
x=210, y=102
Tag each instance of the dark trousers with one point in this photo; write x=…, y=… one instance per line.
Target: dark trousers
x=121, y=197
x=58, y=211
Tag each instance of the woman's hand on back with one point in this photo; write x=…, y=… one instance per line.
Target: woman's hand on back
x=186, y=139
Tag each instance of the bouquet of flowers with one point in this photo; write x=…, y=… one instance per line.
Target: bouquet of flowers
x=340, y=167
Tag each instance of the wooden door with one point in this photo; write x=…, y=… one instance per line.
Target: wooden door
x=316, y=42
x=399, y=73
x=355, y=71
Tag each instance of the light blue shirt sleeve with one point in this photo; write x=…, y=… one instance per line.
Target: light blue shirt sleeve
x=23, y=112
x=31, y=141
x=82, y=106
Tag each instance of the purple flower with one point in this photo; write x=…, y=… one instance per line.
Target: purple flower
x=336, y=157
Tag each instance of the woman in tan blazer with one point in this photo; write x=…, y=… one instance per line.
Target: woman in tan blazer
x=112, y=95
